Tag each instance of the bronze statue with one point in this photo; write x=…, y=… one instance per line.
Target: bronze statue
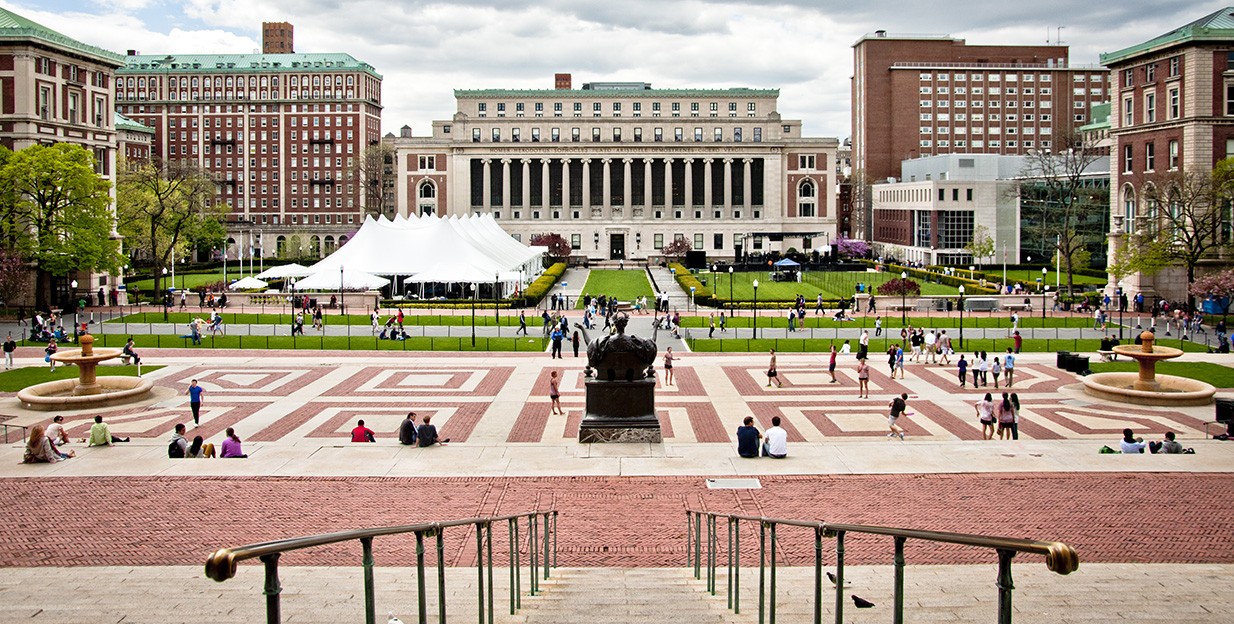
x=619, y=356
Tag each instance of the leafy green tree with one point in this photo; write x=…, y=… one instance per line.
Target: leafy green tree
x=55, y=213
x=164, y=208
x=981, y=245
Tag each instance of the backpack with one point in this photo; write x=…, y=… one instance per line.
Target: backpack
x=174, y=450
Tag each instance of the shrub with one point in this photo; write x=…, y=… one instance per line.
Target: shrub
x=686, y=279
x=539, y=288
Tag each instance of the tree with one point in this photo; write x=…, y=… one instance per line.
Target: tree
x=676, y=249
x=981, y=245
x=1064, y=198
x=1185, y=218
x=14, y=277
x=899, y=287
x=374, y=172
x=851, y=247
x=164, y=207
x=55, y=213
x=1217, y=285
x=558, y=247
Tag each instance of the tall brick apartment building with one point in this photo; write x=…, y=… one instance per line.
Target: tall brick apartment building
x=279, y=130
x=621, y=169
x=1172, y=109
x=916, y=96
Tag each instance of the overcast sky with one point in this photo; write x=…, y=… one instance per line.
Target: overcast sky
x=425, y=49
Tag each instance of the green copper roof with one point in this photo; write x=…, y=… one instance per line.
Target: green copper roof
x=233, y=63
x=124, y=123
x=14, y=26
x=608, y=93
x=1216, y=26
x=1100, y=118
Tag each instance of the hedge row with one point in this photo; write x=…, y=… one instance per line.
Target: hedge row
x=543, y=284
x=702, y=294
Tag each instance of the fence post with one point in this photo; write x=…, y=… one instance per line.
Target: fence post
x=422, y=600
x=1005, y=586
x=370, y=606
x=897, y=614
x=272, y=589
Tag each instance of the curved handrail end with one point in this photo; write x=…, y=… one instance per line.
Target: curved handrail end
x=221, y=565
x=1062, y=558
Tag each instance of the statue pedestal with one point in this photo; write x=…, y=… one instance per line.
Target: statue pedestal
x=620, y=411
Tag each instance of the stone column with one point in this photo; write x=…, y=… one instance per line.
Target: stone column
x=647, y=187
x=728, y=187
x=707, y=194
x=627, y=187
x=688, y=193
x=505, y=182
x=486, y=199
x=565, y=183
x=668, y=183
x=587, y=186
x=546, y=190
x=746, y=172
x=526, y=169
x=606, y=187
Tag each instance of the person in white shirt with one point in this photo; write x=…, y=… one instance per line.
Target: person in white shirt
x=930, y=340
x=775, y=444
x=1131, y=445
x=55, y=431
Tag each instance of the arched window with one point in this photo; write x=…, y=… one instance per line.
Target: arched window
x=1129, y=209
x=427, y=190
x=342, y=240
x=315, y=246
x=280, y=244
x=807, y=189
x=329, y=244
x=806, y=198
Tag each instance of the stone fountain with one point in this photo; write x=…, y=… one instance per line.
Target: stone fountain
x=88, y=390
x=1145, y=387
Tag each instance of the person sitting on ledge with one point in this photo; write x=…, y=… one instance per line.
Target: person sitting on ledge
x=426, y=434
x=1131, y=444
x=747, y=438
x=1168, y=446
x=362, y=433
x=775, y=445
x=39, y=448
x=100, y=434
x=231, y=445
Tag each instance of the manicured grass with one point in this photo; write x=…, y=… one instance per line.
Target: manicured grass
x=484, y=318
x=186, y=280
x=329, y=343
x=1028, y=277
x=624, y=285
x=1216, y=374
x=19, y=378
x=832, y=285
x=879, y=346
x=779, y=318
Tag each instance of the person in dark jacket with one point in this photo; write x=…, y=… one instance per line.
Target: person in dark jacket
x=407, y=431
x=426, y=434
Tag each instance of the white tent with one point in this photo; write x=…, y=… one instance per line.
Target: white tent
x=347, y=279
x=284, y=271
x=247, y=283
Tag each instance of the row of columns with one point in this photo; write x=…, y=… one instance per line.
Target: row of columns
x=627, y=163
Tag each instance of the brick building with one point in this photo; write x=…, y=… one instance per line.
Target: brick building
x=620, y=169
x=281, y=132
x=1172, y=109
x=915, y=96
x=133, y=141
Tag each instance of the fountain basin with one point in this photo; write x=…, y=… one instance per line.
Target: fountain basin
x=59, y=395
x=1171, y=390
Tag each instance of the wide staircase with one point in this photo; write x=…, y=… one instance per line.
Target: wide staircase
x=722, y=581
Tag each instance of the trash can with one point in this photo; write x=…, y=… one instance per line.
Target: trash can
x=1061, y=358
x=1225, y=409
x=1078, y=364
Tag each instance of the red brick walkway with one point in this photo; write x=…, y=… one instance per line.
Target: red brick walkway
x=1124, y=518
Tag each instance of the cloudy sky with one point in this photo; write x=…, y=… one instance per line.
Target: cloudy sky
x=426, y=48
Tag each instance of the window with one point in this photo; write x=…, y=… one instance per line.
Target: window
x=807, y=197
x=698, y=135
x=1174, y=67
x=1229, y=98
x=718, y=135
x=698, y=241
x=736, y=135
x=758, y=135
x=717, y=241
x=578, y=108
x=617, y=135
x=1128, y=77
x=1150, y=73
x=496, y=135
x=475, y=135
x=679, y=134
x=516, y=134
x=1174, y=108
x=805, y=161
x=1150, y=107
x=427, y=163
x=576, y=135
x=481, y=107
x=638, y=135
x=658, y=241
x=1174, y=155
x=535, y=135
x=1128, y=159
x=555, y=135
x=616, y=107
x=576, y=241
x=659, y=135
x=595, y=135
x=1128, y=109
x=1150, y=153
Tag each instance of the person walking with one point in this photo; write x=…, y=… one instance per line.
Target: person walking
x=944, y=348
x=1015, y=416
x=49, y=351
x=897, y=407
x=1006, y=417
x=10, y=346
x=878, y=326
x=962, y=367
x=863, y=345
x=863, y=379
x=1009, y=366
x=899, y=365
x=831, y=363
x=522, y=323
x=711, y=322
x=772, y=373
x=668, y=366
x=574, y=341
x=554, y=394
x=977, y=366
x=996, y=370
x=891, y=361
x=195, y=391
x=985, y=415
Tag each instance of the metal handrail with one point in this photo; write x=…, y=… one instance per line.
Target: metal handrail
x=1059, y=558
x=541, y=529
x=6, y=431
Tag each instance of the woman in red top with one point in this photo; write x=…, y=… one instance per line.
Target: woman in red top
x=362, y=433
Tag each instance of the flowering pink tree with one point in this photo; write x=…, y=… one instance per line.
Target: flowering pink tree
x=1219, y=285
x=14, y=277
x=900, y=287
x=852, y=248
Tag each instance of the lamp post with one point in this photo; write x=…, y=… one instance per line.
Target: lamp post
x=731, y=304
x=972, y=271
x=961, y=317
x=163, y=295
x=903, y=294
x=756, y=309
x=1004, y=267
x=1045, y=288
x=73, y=294
x=1119, y=303
x=692, y=299
x=473, y=316
x=340, y=293
x=496, y=313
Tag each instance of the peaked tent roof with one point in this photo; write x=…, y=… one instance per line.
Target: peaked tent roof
x=1216, y=26
x=14, y=26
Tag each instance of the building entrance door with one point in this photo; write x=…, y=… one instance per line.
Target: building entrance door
x=616, y=246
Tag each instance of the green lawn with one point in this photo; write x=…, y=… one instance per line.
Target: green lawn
x=832, y=285
x=1216, y=374
x=19, y=378
x=1029, y=277
x=186, y=280
x=879, y=346
x=330, y=343
x=779, y=318
x=484, y=318
x=624, y=285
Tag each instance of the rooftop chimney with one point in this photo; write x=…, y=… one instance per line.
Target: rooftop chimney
x=132, y=52
x=277, y=38
x=563, y=81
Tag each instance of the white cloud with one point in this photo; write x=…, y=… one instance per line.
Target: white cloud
x=426, y=48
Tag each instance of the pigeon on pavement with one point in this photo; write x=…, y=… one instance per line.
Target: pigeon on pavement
x=862, y=603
